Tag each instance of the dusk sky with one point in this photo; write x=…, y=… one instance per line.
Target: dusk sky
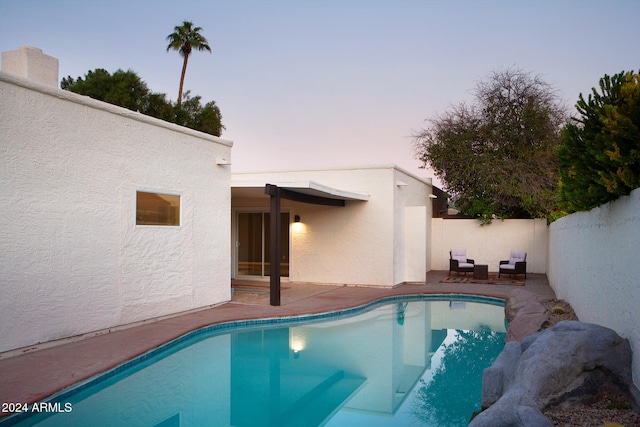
x=306, y=83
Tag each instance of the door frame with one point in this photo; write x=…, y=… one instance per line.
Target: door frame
x=235, y=235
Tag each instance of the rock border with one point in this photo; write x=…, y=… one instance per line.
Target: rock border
x=529, y=314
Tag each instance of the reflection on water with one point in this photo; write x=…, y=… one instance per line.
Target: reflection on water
x=416, y=363
x=441, y=401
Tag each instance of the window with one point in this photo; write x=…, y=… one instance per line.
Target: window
x=157, y=209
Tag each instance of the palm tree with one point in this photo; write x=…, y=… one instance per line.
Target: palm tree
x=184, y=39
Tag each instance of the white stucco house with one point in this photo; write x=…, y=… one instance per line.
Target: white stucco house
x=375, y=233
x=112, y=218
x=82, y=249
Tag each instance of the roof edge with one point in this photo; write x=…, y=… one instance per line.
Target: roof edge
x=308, y=187
x=66, y=95
x=426, y=180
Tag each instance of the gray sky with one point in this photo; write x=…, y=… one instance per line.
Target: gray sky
x=313, y=83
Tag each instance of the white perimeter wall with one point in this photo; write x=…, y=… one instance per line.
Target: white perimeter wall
x=73, y=261
x=379, y=242
x=490, y=244
x=593, y=264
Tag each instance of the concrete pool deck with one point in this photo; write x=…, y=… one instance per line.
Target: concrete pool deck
x=35, y=375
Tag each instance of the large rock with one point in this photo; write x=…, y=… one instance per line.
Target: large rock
x=531, y=318
x=518, y=299
x=547, y=367
x=526, y=314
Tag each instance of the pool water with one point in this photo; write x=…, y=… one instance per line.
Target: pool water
x=409, y=362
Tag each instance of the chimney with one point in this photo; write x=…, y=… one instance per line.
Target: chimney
x=30, y=63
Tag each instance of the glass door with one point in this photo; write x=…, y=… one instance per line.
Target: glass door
x=253, y=246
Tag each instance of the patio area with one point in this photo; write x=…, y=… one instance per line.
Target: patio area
x=34, y=375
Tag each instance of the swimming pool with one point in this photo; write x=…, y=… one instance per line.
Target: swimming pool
x=413, y=361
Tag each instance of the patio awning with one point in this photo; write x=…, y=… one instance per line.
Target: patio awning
x=299, y=191
x=314, y=191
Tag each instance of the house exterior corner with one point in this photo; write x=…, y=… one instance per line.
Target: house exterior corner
x=77, y=258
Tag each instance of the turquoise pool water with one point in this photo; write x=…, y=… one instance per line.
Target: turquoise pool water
x=399, y=362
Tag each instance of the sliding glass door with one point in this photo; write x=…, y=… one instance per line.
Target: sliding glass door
x=253, y=245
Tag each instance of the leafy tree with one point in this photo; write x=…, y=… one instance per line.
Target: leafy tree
x=159, y=107
x=126, y=89
x=193, y=115
x=184, y=39
x=123, y=88
x=600, y=154
x=496, y=156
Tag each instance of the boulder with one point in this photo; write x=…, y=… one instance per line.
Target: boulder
x=531, y=318
x=526, y=314
x=546, y=368
x=519, y=298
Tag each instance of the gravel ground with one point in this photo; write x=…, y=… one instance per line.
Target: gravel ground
x=608, y=408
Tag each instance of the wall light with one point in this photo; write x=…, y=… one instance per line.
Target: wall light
x=297, y=227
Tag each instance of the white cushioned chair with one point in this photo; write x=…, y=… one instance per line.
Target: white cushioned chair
x=459, y=262
x=516, y=264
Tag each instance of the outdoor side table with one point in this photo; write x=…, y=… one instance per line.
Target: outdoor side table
x=480, y=271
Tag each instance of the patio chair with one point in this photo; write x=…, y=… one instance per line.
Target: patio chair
x=516, y=264
x=459, y=262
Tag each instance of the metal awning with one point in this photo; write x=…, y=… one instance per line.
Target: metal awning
x=310, y=188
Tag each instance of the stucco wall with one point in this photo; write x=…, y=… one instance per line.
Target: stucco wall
x=412, y=227
x=489, y=244
x=31, y=63
x=73, y=261
x=362, y=243
x=593, y=264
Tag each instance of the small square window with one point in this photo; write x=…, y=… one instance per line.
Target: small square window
x=157, y=209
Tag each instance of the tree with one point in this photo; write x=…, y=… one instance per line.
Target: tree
x=123, y=88
x=193, y=115
x=184, y=39
x=496, y=157
x=126, y=89
x=600, y=154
